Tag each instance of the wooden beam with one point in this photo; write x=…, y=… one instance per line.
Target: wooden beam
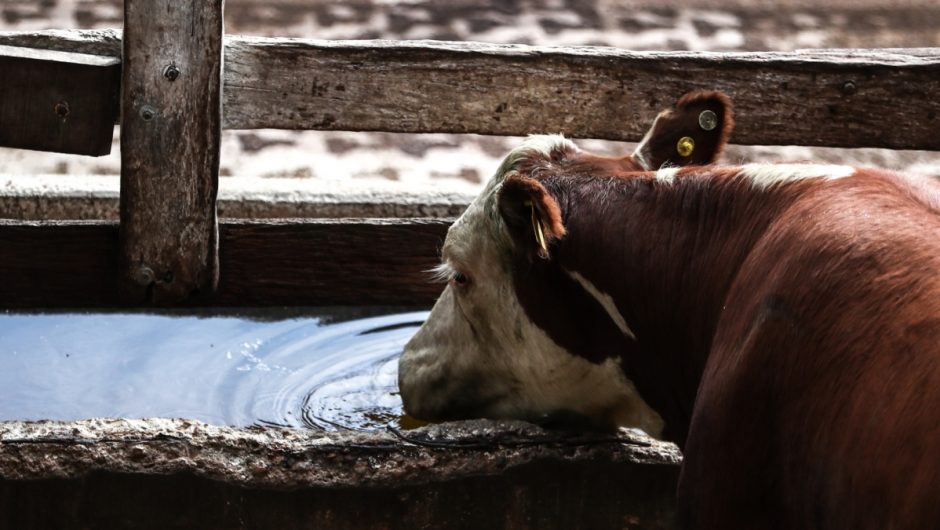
x=105, y=42
x=330, y=262
x=58, y=264
x=836, y=98
x=170, y=133
x=55, y=264
x=58, y=101
x=847, y=99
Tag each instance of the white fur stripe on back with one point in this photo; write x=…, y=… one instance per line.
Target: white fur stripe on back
x=764, y=176
x=606, y=302
x=667, y=175
x=639, y=154
x=539, y=146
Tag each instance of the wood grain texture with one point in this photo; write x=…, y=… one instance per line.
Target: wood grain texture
x=106, y=42
x=58, y=101
x=170, y=133
x=73, y=264
x=54, y=264
x=330, y=262
x=836, y=98
x=814, y=98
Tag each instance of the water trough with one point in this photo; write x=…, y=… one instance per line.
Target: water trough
x=278, y=444
x=162, y=473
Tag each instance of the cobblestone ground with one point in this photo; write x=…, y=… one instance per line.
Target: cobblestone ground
x=460, y=163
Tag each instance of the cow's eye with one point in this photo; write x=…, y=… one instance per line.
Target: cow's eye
x=459, y=279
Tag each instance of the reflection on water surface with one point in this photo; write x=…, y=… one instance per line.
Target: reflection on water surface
x=314, y=370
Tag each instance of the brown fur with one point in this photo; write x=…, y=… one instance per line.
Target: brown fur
x=790, y=338
x=521, y=188
x=659, y=148
x=689, y=106
x=519, y=195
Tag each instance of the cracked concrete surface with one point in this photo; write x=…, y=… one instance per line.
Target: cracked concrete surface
x=164, y=473
x=287, y=458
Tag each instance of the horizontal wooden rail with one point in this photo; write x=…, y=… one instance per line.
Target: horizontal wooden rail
x=58, y=101
x=55, y=265
x=838, y=98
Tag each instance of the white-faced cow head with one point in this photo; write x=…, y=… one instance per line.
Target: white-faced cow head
x=479, y=354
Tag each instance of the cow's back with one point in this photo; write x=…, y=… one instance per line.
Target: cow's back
x=820, y=403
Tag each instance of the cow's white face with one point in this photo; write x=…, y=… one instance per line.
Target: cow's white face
x=480, y=355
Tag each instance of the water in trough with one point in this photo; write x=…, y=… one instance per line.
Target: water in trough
x=324, y=370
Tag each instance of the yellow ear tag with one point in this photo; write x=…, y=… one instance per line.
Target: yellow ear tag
x=685, y=146
x=537, y=228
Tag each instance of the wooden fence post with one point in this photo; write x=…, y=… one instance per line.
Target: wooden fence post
x=170, y=132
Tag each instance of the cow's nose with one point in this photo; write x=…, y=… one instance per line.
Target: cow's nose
x=410, y=384
x=427, y=390
x=416, y=406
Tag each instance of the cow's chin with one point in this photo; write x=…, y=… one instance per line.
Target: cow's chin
x=472, y=402
x=436, y=411
x=557, y=420
x=431, y=392
x=600, y=400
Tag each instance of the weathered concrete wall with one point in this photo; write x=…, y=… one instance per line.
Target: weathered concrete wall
x=182, y=474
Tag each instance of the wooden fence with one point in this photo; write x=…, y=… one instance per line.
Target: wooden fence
x=172, y=80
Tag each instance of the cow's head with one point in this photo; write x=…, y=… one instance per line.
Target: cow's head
x=480, y=354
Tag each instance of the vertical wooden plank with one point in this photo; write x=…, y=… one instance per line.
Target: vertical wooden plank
x=170, y=131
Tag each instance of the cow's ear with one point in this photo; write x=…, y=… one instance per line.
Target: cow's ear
x=694, y=133
x=531, y=214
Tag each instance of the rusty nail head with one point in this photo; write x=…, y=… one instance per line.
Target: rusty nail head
x=849, y=88
x=147, y=112
x=62, y=109
x=171, y=72
x=144, y=275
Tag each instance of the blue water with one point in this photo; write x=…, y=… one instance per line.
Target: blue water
x=298, y=371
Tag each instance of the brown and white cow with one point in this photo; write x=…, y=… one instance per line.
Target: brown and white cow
x=781, y=323
x=479, y=354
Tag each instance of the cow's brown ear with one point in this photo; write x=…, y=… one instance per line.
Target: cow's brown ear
x=694, y=133
x=532, y=215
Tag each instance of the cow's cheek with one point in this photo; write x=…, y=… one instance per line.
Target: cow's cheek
x=435, y=359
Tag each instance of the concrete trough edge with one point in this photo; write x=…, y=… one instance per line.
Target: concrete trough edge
x=284, y=458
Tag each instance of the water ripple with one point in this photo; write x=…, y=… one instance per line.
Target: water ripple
x=296, y=372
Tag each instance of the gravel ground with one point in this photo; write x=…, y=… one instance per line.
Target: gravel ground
x=459, y=164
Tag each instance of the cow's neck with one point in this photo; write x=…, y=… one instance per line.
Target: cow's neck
x=666, y=255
